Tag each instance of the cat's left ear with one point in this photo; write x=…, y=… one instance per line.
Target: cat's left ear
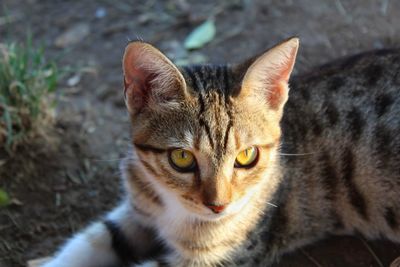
x=269, y=74
x=151, y=80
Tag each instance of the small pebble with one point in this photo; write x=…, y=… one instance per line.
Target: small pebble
x=101, y=12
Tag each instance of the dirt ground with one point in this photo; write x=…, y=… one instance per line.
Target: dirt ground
x=59, y=185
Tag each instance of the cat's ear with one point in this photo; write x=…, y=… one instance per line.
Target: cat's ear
x=269, y=73
x=151, y=80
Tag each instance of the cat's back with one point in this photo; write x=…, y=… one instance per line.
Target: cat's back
x=367, y=80
x=355, y=101
x=339, y=155
x=341, y=141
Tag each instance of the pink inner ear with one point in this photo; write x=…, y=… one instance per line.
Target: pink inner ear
x=136, y=78
x=149, y=75
x=136, y=88
x=276, y=95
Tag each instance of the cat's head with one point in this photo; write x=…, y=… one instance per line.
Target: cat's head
x=206, y=136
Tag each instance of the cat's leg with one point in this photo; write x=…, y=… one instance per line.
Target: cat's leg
x=118, y=239
x=92, y=247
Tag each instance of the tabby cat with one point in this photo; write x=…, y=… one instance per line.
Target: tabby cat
x=222, y=173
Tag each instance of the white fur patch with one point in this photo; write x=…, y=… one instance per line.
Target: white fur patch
x=237, y=206
x=175, y=213
x=90, y=248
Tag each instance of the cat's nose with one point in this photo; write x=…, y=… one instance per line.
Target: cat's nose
x=215, y=208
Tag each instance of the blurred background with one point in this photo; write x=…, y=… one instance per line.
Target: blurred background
x=60, y=146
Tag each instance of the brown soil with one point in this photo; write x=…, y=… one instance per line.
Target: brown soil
x=60, y=185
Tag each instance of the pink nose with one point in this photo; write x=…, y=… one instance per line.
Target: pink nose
x=216, y=208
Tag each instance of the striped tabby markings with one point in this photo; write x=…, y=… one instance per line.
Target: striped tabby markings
x=171, y=181
x=202, y=122
x=126, y=254
x=252, y=244
x=328, y=173
x=391, y=219
x=357, y=200
x=119, y=243
x=200, y=81
x=373, y=73
x=227, y=85
x=331, y=113
x=253, y=177
x=274, y=234
x=335, y=84
x=357, y=92
x=382, y=104
x=221, y=132
x=196, y=142
x=144, y=188
x=382, y=141
x=197, y=82
x=330, y=181
x=230, y=123
x=140, y=211
x=305, y=93
x=226, y=136
x=169, y=178
x=149, y=168
x=316, y=126
x=188, y=198
x=355, y=123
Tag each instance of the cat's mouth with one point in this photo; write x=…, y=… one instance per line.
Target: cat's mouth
x=205, y=214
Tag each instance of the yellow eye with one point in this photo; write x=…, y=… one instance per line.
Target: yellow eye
x=247, y=157
x=182, y=160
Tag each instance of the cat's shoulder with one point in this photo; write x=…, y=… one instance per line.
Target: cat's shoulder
x=367, y=64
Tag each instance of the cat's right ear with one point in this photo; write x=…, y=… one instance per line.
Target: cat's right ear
x=267, y=76
x=151, y=80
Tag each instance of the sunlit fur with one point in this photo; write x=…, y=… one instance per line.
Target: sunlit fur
x=329, y=165
x=217, y=180
x=215, y=122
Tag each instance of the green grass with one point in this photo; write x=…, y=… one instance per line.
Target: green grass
x=27, y=84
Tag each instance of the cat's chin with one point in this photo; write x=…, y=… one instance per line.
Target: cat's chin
x=212, y=217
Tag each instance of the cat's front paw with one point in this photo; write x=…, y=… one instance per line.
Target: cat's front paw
x=147, y=264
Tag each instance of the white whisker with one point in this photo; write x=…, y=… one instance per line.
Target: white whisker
x=272, y=204
x=108, y=160
x=297, y=154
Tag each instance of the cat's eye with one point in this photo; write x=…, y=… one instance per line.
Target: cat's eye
x=247, y=158
x=182, y=160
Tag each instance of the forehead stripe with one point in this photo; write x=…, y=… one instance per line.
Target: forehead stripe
x=225, y=79
x=192, y=77
x=202, y=122
x=228, y=128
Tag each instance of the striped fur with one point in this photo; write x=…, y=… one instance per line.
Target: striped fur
x=330, y=165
